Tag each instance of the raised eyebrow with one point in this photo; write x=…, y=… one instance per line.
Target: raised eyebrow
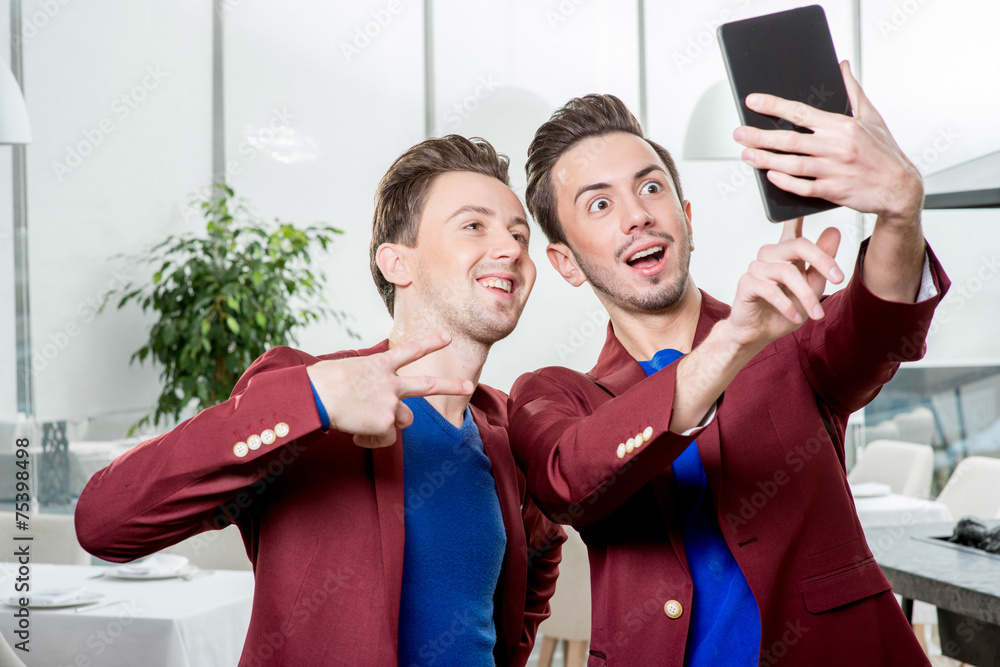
x=471, y=208
x=648, y=170
x=588, y=188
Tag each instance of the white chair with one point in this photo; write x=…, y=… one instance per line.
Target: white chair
x=905, y=466
x=570, y=619
x=8, y=658
x=54, y=539
x=973, y=489
x=916, y=426
x=214, y=550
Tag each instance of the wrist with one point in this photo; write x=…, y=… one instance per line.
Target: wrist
x=905, y=211
x=736, y=344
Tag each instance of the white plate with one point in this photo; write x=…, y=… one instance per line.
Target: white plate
x=87, y=597
x=870, y=490
x=115, y=573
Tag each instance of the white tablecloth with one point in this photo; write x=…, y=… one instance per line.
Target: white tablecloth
x=200, y=622
x=896, y=509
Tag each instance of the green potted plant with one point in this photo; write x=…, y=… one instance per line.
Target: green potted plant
x=223, y=298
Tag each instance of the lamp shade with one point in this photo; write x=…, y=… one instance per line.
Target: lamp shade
x=14, y=126
x=709, y=133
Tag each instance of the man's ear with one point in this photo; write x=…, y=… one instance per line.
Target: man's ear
x=687, y=216
x=392, y=261
x=563, y=261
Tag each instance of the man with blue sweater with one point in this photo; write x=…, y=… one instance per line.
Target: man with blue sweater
x=375, y=489
x=702, y=458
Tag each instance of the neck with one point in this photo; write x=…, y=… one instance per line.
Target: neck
x=462, y=358
x=643, y=334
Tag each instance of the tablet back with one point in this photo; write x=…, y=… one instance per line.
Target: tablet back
x=789, y=54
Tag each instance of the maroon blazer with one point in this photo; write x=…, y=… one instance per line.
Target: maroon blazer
x=322, y=519
x=774, y=459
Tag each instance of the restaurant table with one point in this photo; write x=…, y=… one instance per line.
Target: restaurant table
x=196, y=622
x=963, y=583
x=895, y=509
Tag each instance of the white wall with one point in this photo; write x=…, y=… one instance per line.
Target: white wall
x=337, y=118
x=347, y=107
x=119, y=100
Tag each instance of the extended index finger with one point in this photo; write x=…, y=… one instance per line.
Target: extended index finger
x=412, y=350
x=791, y=229
x=427, y=385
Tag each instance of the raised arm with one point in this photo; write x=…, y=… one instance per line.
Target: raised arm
x=206, y=472
x=852, y=161
x=855, y=162
x=178, y=484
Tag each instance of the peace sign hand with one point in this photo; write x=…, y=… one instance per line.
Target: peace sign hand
x=364, y=396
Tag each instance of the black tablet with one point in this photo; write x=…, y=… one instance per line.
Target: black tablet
x=789, y=54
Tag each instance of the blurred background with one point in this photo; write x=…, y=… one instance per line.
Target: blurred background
x=137, y=107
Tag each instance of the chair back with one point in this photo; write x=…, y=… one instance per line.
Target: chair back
x=973, y=489
x=905, y=466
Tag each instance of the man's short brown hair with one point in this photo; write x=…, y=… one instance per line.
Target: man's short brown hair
x=579, y=119
x=402, y=193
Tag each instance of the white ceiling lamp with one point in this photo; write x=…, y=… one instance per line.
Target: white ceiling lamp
x=14, y=125
x=709, y=133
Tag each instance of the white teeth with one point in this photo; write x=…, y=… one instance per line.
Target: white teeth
x=498, y=283
x=647, y=251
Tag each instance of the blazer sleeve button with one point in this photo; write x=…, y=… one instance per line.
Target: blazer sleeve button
x=240, y=449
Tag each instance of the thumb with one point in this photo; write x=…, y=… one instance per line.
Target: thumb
x=860, y=104
x=854, y=92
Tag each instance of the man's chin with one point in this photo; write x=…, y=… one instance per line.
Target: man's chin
x=494, y=329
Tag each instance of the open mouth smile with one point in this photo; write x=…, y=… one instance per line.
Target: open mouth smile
x=648, y=261
x=497, y=284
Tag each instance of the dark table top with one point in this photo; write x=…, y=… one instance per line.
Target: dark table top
x=960, y=579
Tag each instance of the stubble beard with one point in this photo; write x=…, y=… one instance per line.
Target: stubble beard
x=664, y=295
x=456, y=310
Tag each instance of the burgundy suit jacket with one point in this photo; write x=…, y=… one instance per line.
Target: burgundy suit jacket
x=774, y=459
x=322, y=519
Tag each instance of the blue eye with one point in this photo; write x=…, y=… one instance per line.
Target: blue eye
x=599, y=204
